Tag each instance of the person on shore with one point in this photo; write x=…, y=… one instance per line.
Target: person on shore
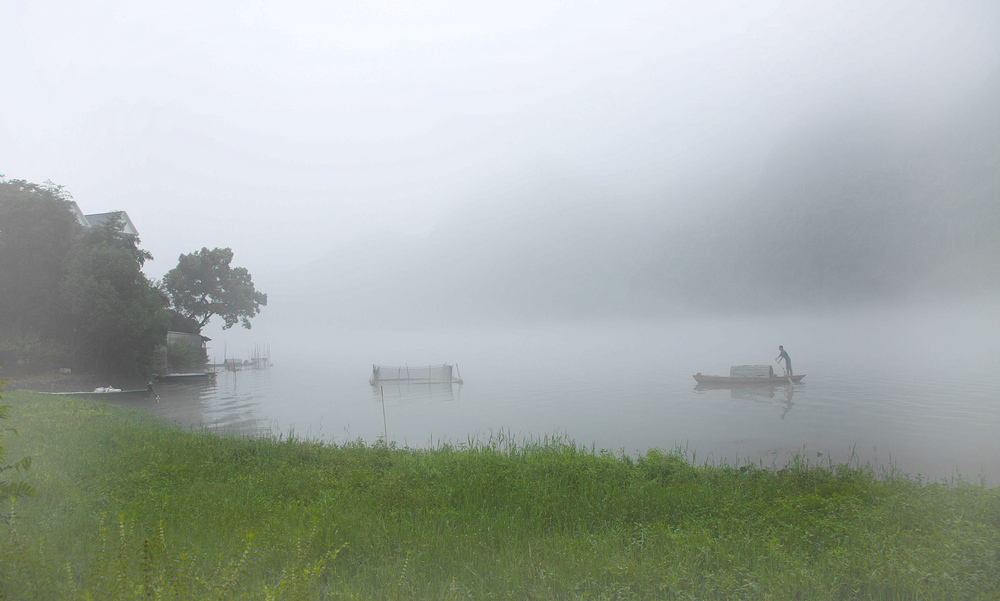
x=782, y=354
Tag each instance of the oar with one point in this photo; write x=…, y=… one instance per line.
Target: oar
x=787, y=375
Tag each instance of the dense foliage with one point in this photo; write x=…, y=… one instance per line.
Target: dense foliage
x=180, y=323
x=72, y=295
x=182, y=357
x=37, y=232
x=131, y=508
x=204, y=285
x=75, y=296
x=117, y=314
x=11, y=489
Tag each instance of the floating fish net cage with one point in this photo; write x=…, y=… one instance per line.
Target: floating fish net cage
x=763, y=372
x=424, y=374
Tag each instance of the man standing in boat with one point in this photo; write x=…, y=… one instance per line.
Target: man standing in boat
x=782, y=354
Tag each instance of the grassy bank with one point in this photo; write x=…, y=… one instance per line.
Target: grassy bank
x=131, y=508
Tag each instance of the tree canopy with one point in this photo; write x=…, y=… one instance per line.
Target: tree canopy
x=204, y=285
x=37, y=229
x=72, y=295
x=118, y=315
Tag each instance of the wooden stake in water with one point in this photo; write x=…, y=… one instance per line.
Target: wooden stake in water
x=385, y=428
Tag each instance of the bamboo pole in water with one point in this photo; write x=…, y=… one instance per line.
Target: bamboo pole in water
x=385, y=428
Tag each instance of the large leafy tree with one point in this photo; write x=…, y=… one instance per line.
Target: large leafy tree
x=37, y=228
x=119, y=316
x=204, y=285
x=72, y=294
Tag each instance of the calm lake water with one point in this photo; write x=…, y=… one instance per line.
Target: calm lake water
x=914, y=389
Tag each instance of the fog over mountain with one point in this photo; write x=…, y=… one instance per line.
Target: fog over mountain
x=400, y=162
x=852, y=206
x=856, y=207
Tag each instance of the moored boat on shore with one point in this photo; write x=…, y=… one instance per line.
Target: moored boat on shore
x=108, y=393
x=207, y=376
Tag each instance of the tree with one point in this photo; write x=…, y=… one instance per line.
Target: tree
x=72, y=294
x=204, y=285
x=119, y=317
x=182, y=357
x=180, y=323
x=37, y=228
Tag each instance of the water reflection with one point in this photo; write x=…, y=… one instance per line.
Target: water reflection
x=229, y=402
x=781, y=395
x=413, y=391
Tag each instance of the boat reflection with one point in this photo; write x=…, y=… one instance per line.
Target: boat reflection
x=782, y=395
x=415, y=391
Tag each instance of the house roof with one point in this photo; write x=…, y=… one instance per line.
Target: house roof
x=176, y=335
x=95, y=219
x=79, y=214
x=102, y=218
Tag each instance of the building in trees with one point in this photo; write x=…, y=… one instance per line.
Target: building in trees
x=96, y=219
x=184, y=352
x=72, y=290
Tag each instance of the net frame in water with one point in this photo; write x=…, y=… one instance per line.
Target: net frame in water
x=430, y=374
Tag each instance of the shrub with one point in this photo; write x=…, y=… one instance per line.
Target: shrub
x=12, y=489
x=31, y=354
x=181, y=356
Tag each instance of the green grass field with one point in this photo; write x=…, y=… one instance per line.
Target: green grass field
x=130, y=508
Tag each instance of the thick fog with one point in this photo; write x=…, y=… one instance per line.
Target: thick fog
x=378, y=164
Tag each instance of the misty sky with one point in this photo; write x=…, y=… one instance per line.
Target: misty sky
x=286, y=130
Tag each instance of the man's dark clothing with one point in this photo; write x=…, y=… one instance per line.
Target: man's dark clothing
x=788, y=361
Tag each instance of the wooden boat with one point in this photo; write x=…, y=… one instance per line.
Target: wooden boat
x=726, y=382
x=107, y=394
x=747, y=375
x=207, y=376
